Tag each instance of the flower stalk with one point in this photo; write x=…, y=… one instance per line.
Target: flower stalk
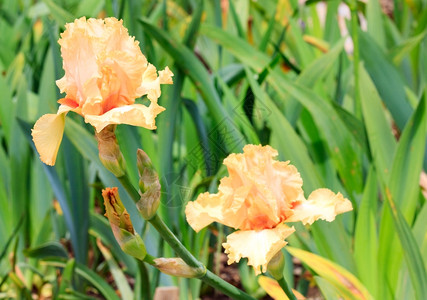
x=209, y=277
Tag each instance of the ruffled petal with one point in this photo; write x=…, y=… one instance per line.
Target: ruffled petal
x=210, y=208
x=135, y=114
x=150, y=85
x=47, y=136
x=165, y=76
x=321, y=204
x=258, y=246
x=101, y=61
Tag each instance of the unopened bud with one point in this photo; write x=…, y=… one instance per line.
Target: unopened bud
x=109, y=151
x=276, y=265
x=149, y=186
x=130, y=242
x=177, y=267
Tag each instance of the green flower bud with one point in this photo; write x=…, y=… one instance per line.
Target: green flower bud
x=130, y=242
x=149, y=186
x=276, y=265
x=109, y=151
x=177, y=267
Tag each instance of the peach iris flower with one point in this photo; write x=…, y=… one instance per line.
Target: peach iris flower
x=257, y=198
x=105, y=71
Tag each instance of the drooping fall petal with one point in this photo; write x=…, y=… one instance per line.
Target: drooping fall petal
x=258, y=246
x=135, y=114
x=210, y=208
x=47, y=136
x=321, y=204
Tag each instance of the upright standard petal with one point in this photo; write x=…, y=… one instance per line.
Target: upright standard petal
x=47, y=136
x=135, y=114
x=258, y=247
x=321, y=204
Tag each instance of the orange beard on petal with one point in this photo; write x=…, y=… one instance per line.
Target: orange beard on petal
x=260, y=222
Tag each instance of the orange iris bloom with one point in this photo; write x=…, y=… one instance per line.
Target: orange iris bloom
x=258, y=197
x=105, y=71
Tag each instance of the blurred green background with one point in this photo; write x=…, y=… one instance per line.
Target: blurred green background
x=338, y=88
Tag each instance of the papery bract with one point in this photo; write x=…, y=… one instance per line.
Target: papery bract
x=105, y=72
x=257, y=198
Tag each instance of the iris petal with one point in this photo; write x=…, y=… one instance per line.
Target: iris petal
x=258, y=247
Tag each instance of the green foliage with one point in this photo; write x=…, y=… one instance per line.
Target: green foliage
x=272, y=72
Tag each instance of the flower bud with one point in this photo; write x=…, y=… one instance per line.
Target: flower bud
x=177, y=267
x=130, y=242
x=149, y=186
x=276, y=265
x=109, y=151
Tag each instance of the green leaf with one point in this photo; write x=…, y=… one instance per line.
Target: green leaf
x=57, y=187
x=381, y=140
x=365, y=239
x=402, y=192
x=79, y=193
x=346, y=283
x=90, y=8
x=50, y=249
x=10, y=239
x=354, y=126
x=291, y=147
x=386, y=78
x=327, y=289
x=60, y=15
x=398, y=53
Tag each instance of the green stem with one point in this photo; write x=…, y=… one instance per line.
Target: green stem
x=209, y=277
x=228, y=289
x=145, y=279
x=285, y=287
x=173, y=241
x=149, y=259
x=133, y=193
